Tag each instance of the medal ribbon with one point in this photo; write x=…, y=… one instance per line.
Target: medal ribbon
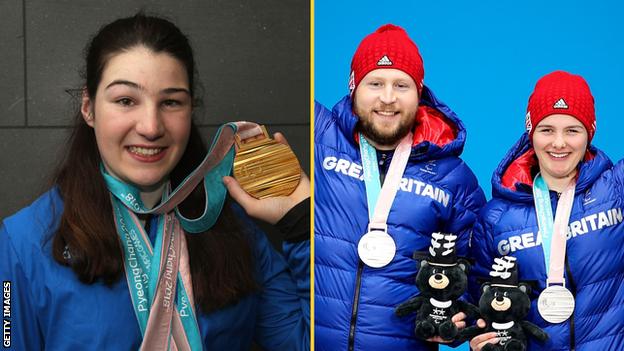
x=371, y=174
x=379, y=198
x=159, y=277
x=553, y=232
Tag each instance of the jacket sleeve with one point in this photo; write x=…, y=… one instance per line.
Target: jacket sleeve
x=25, y=333
x=482, y=252
x=468, y=201
x=284, y=310
x=296, y=247
x=322, y=119
x=618, y=176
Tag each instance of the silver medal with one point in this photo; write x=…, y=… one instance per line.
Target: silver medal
x=376, y=249
x=555, y=304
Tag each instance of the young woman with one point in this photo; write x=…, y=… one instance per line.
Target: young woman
x=555, y=172
x=90, y=269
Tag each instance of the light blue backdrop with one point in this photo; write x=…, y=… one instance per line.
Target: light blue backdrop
x=483, y=58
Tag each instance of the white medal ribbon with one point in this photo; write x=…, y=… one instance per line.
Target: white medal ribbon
x=377, y=248
x=555, y=303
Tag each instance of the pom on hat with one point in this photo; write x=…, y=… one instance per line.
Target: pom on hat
x=560, y=92
x=387, y=47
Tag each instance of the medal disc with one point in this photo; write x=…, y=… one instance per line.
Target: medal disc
x=265, y=168
x=555, y=304
x=376, y=249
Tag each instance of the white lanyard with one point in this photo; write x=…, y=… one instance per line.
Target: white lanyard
x=555, y=303
x=376, y=248
x=553, y=232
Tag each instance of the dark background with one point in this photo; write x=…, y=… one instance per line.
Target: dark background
x=252, y=57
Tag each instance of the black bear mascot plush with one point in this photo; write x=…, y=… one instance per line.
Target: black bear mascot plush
x=504, y=304
x=441, y=280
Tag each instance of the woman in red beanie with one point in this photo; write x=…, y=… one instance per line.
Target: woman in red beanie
x=557, y=207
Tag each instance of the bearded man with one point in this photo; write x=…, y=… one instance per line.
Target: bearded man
x=387, y=176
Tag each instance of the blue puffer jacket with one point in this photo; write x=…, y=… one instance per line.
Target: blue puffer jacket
x=595, y=246
x=354, y=303
x=51, y=309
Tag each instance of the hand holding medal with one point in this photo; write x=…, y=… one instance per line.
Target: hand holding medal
x=159, y=323
x=290, y=189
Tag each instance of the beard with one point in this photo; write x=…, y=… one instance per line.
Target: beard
x=384, y=138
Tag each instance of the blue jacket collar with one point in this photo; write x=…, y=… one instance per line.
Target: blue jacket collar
x=589, y=172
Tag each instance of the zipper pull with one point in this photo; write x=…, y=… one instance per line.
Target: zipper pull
x=382, y=159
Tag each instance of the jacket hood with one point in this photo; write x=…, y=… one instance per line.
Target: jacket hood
x=439, y=132
x=513, y=180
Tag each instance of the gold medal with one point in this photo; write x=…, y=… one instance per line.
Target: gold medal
x=264, y=167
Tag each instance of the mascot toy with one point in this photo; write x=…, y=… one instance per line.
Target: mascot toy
x=504, y=304
x=441, y=280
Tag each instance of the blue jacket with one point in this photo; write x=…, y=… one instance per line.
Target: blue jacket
x=595, y=246
x=51, y=309
x=354, y=304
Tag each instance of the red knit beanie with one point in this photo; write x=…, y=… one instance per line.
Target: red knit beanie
x=563, y=93
x=387, y=47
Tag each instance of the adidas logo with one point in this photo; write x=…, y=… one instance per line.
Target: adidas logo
x=384, y=61
x=560, y=104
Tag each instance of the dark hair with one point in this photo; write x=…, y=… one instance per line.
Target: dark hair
x=156, y=34
x=221, y=259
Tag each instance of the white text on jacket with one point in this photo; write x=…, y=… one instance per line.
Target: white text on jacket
x=590, y=223
x=409, y=185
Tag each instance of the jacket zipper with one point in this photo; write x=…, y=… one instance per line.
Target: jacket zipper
x=382, y=169
x=382, y=159
x=572, y=286
x=356, y=302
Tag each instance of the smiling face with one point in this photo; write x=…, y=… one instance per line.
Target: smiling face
x=141, y=115
x=386, y=102
x=560, y=142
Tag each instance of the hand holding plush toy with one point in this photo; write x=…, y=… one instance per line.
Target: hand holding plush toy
x=504, y=304
x=441, y=280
